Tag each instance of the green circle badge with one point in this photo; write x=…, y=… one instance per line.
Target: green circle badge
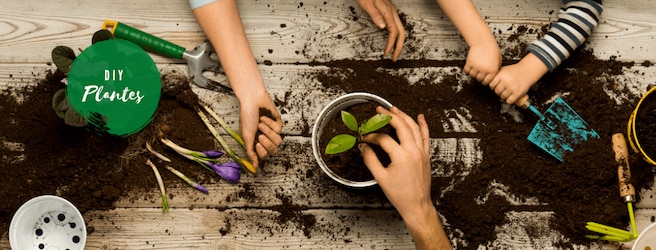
x=115, y=86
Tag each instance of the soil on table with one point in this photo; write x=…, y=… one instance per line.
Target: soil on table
x=41, y=155
x=583, y=188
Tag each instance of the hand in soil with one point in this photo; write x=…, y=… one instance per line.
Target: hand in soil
x=406, y=181
x=513, y=81
x=385, y=16
x=260, y=130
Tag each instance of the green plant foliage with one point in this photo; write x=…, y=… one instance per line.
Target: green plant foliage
x=374, y=123
x=101, y=35
x=340, y=143
x=350, y=121
x=343, y=142
x=63, y=57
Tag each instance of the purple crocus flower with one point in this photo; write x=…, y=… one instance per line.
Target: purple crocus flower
x=229, y=171
x=212, y=154
x=201, y=188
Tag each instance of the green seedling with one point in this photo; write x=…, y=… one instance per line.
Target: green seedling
x=343, y=142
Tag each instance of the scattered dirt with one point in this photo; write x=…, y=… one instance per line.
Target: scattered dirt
x=42, y=155
x=583, y=188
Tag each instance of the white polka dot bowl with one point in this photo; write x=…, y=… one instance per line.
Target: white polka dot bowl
x=47, y=222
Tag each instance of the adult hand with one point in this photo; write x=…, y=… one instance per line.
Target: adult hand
x=483, y=62
x=406, y=181
x=384, y=14
x=513, y=81
x=268, y=141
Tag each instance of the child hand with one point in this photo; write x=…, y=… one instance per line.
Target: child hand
x=384, y=14
x=513, y=81
x=250, y=122
x=483, y=62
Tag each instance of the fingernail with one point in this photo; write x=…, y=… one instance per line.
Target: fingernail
x=381, y=25
x=360, y=146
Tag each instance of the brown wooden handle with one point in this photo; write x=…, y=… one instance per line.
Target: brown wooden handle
x=523, y=102
x=623, y=171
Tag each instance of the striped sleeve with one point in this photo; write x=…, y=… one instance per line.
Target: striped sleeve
x=576, y=20
x=199, y=3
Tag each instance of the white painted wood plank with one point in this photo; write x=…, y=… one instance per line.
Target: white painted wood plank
x=314, y=31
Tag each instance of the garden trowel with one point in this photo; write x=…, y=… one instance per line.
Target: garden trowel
x=559, y=129
x=198, y=60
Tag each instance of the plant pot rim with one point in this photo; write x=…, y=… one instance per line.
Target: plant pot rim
x=327, y=114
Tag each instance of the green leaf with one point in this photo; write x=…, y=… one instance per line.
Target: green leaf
x=350, y=121
x=374, y=123
x=60, y=103
x=340, y=143
x=63, y=57
x=101, y=35
x=74, y=119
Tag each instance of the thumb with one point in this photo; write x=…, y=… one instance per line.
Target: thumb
x=249, y=142
x=371, y=160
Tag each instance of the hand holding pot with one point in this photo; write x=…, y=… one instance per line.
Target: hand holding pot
x=406, y=181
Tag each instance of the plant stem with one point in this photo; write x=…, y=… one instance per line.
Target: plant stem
x=188, y=180
x=165, y=203
x=164, y=158
x=242, y=162
x=224, y=125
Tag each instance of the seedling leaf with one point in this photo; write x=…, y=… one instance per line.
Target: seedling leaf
x=374, y=123
x=101, y=35
x=63, y=57
x=350, y=121
x=340, y=143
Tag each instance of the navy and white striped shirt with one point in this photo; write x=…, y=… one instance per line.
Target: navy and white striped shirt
x=576, y=20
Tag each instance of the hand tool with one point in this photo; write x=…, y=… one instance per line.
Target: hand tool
x=559, y=129
x=627, y=192
x=198, y=60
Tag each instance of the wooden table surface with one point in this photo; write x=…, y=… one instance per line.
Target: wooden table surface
x=289, y=34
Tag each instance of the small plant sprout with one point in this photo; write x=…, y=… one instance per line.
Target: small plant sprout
x=207, y=155
x=188, y=180
x=245, y=164
x=230, y=171
x=224, y=125
x=343, y=142
x=165, y=202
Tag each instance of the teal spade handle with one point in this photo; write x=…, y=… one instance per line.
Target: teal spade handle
x=524, y=103
x=144, y=40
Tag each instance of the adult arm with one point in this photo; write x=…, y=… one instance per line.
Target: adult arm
x=406, y=181
x=222, y=25
x=484, y=56
x=384, y=14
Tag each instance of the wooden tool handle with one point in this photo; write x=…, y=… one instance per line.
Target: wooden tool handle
x=523, y=102
x=623, y=171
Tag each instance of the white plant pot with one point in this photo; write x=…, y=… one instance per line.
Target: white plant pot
x=47, y=222
x=328, y=113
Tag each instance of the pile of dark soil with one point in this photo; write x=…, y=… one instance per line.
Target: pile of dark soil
x=583, y=188
x=42, y=155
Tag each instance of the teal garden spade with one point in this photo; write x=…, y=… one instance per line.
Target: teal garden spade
x=559, y=129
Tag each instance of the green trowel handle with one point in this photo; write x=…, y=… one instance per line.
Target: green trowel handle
x=145, y=40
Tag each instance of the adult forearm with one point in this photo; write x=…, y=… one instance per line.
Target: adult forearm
x=426, y=230
x=222, y=25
